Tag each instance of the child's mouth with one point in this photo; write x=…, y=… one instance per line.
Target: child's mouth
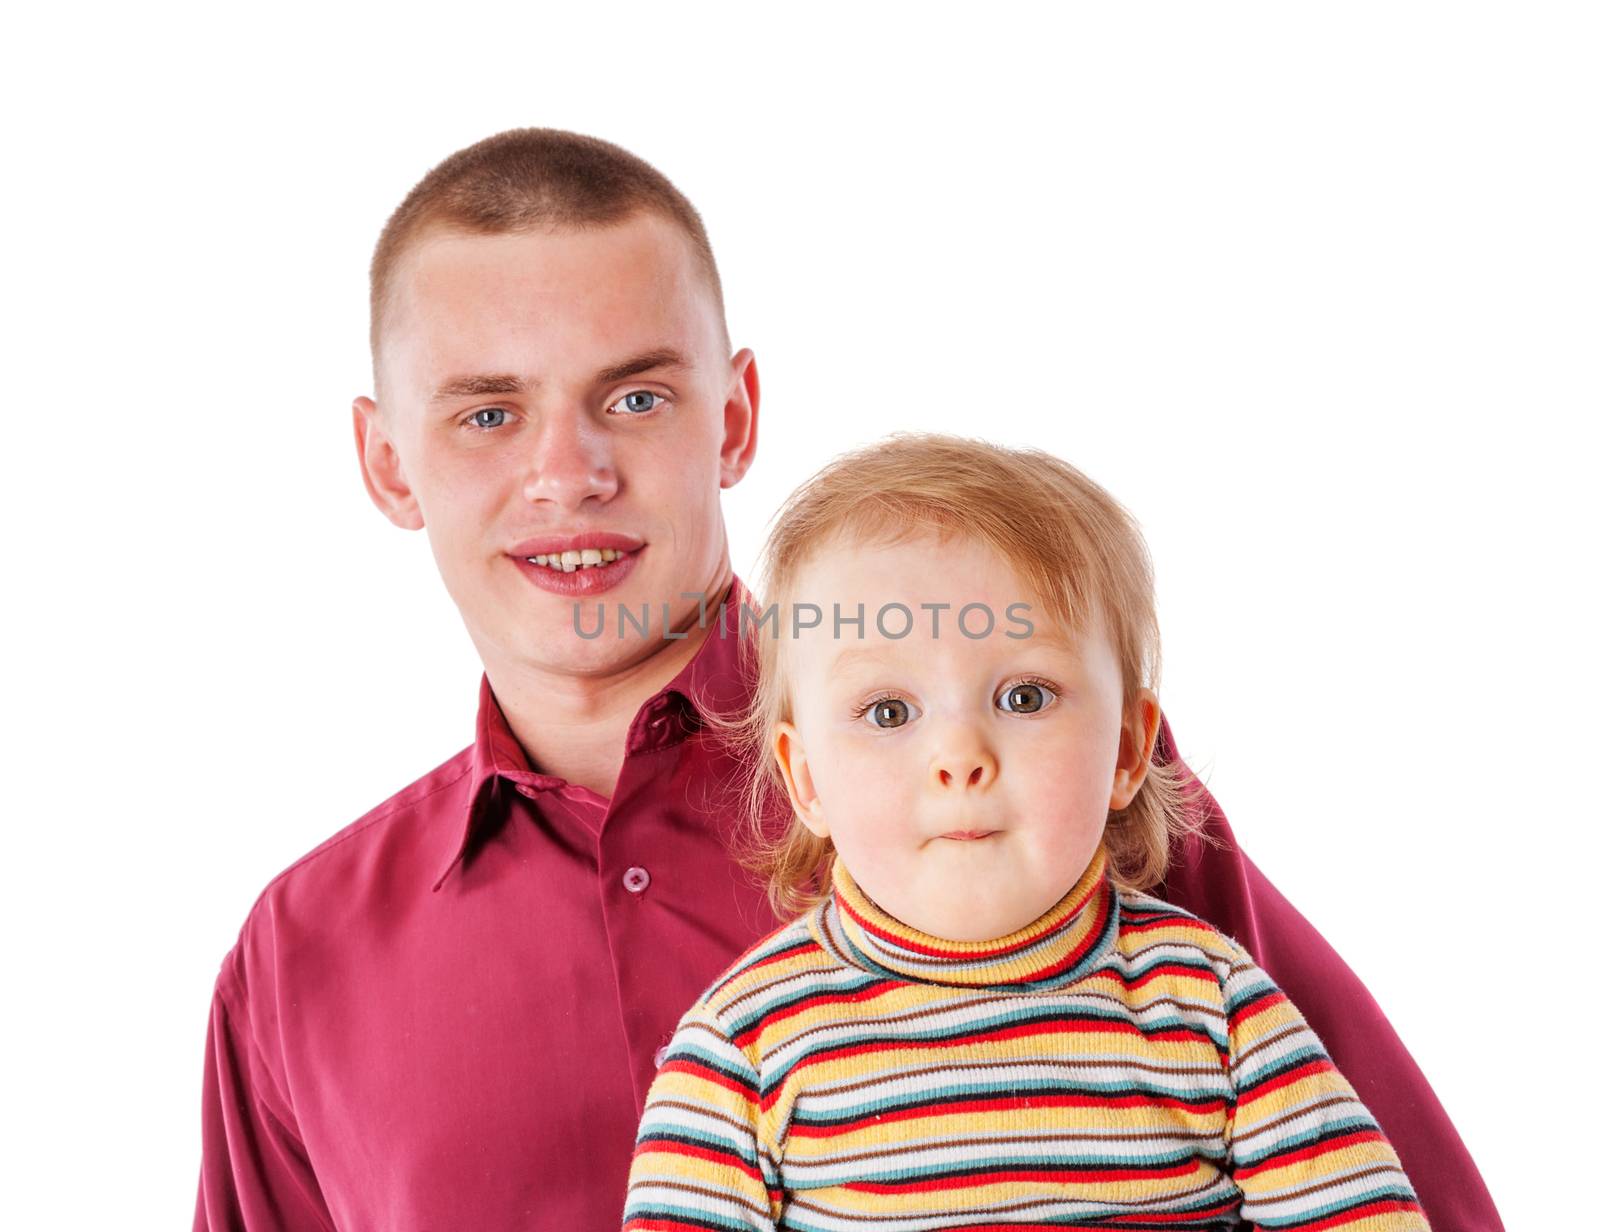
x=966, y=836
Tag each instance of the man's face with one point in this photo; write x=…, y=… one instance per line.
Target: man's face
x=964, y=781
x=556, y=386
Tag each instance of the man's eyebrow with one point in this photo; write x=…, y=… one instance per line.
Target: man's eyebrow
x=477, y=385
x=661, y=357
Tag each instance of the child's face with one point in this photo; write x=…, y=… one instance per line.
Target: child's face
x=964, y=781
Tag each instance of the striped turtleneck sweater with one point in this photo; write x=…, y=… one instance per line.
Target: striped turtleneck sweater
x=1118, y=1063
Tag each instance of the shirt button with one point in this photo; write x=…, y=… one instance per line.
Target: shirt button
x=635, y=880
x=661, y=1056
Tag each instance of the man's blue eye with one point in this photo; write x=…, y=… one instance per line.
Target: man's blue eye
x=489, y=417
x=638, y=400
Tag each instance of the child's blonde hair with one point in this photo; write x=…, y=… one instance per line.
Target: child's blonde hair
x=1063, y=533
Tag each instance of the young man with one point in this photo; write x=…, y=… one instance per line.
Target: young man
x=447, y=1016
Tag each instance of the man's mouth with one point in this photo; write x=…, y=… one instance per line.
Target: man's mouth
x=598, y=561
x=571, y=562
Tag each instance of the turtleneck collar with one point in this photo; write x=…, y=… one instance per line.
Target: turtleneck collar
x=1056, y=950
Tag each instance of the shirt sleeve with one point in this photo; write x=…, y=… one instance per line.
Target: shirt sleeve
x=254, y=1173
x=699, y=1161
x=1222, y=885
x=1302, y=1148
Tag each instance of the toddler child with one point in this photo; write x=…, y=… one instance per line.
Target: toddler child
x=978, y=1019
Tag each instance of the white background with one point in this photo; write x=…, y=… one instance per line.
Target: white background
x=1313, y=290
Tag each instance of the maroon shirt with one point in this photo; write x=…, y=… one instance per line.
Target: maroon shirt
x=447, y=1015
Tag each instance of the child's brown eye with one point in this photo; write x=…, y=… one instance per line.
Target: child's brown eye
x=890, y=712
x=1023, y=698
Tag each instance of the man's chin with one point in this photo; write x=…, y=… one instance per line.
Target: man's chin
x=593, y=660
x=580, y=645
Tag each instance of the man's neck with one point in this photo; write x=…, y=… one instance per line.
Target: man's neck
x=576, y=727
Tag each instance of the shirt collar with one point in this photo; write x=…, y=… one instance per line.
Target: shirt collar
x=718, y=678
x=1057, y=949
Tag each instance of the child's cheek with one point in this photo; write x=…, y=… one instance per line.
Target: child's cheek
x=873, y=801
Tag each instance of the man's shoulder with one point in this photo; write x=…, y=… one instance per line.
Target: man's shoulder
x=405, y=842
x=401, y=822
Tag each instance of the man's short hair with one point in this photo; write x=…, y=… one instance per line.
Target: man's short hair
x=531, y=179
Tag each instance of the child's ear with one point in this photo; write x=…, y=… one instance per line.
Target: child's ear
x=791, y=757
x=1138, y=743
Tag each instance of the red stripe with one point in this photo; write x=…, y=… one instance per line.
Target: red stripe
x=972, y=1107
x=1310, y=1151
x=1060, y=1176
x=1112, y=1221
x=1166, y=968
x=1019, y=1031
x=859, y=997
x=1315, y=1066
x=906, y=943
x=704, y=1153
x=679, y=1065
x=735, y=971
x=1145, y=926
x=1257, y=1007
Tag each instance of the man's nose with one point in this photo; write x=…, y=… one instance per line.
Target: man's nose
x=964, y=762
x=571, y=461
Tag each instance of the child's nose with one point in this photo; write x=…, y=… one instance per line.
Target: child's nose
x=964, y=765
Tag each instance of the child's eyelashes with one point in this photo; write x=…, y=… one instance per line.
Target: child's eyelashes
x=887, y=711
x=1027, y=695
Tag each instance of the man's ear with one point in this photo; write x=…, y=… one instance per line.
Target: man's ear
x=380, y=467
x=739, y=416
x=791, y=758
x=1139, y=729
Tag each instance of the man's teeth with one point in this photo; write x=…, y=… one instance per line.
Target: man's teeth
x=585, y=558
